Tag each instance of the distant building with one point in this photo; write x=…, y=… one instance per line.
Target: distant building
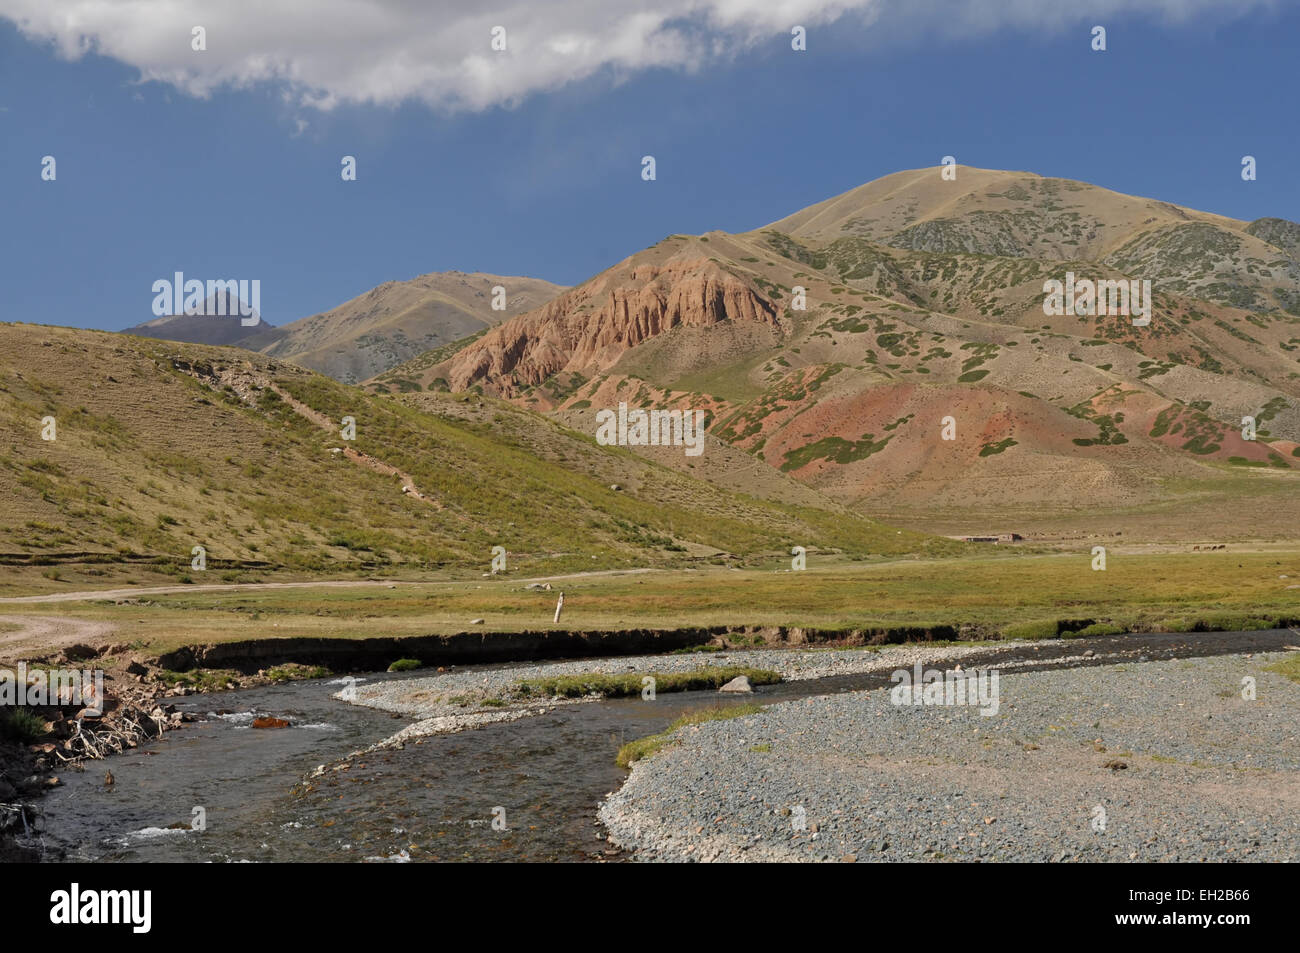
x=1000, y=538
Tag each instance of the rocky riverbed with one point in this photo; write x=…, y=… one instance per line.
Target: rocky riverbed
x=1146, y=761
x=458, y=699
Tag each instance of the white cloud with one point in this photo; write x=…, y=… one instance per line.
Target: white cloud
x=435, y=51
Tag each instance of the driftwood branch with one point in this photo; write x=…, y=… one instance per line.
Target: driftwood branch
x=96, y=739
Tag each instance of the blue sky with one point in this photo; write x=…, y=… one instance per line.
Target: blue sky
x=245, y=182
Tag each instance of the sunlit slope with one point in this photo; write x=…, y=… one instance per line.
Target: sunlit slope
x=161, y=447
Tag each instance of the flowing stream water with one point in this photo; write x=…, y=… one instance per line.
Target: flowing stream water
x=432, y=800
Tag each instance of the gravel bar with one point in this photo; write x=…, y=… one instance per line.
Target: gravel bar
x=463, y=698
x=1146, y=761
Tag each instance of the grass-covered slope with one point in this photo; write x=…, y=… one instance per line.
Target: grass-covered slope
x=161, y=447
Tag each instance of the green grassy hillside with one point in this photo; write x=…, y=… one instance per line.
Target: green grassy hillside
x=161, y=447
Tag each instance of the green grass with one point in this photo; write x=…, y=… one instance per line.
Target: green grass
x=989, y=449
x=1288, y=667
x=1061, y=629
x=21, y=725
x=1033, y=631
x=834, y=449
x=1008, y=594
x=202, y=680
x=1224, y=622
x=405, y=665
x=1202, y=622
x=645, y=747
x=270, y=496
x=631, y=683
x=294, y=672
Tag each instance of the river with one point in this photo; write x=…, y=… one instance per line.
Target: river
x=435, y=800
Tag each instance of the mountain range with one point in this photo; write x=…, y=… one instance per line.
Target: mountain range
x=888, y=350
x=387, y=325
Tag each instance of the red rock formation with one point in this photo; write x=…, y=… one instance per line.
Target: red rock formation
x=588, y=329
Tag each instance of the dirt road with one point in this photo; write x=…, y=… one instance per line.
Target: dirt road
x=88, y=594
x=43, y=633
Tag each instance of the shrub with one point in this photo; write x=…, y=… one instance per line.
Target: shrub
x=22, y=725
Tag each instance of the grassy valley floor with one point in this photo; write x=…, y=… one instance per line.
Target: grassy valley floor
x=1004, y=593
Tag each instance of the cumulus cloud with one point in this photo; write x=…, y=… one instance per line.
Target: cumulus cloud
x=438, y=52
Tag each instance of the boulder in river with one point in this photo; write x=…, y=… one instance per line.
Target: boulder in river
x=738, y=684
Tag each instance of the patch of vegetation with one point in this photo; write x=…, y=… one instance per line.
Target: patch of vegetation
x=1051, y=629
x=22, y=725
x=1108, y=432
x=405, y=665
x=628, y=684
x=1267, y=413
x=1288, y=667
x=979, y=354
x=1219, y=622
x=201, y=680
x=293, y=672
x=834, y=449
x=1031, y=631
x=1201, y=445
x=645, y=747
x=898, y=423
x=1097, y=628
x=989, y=449
x=1154, y=368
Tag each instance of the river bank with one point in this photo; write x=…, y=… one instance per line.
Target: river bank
x=384, y=779
x=43, y=745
